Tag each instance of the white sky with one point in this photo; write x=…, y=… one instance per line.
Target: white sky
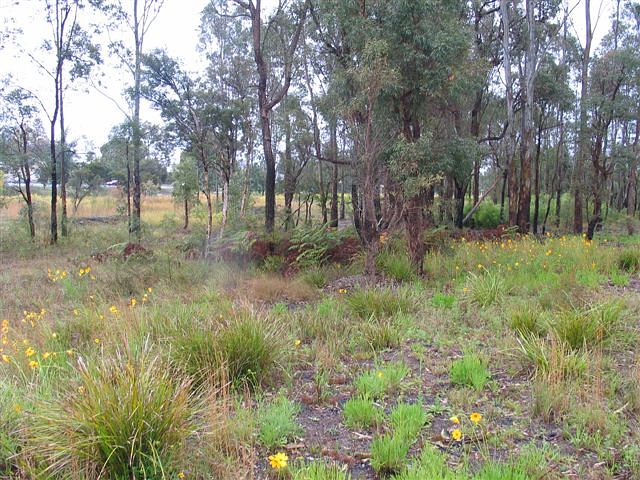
x=91, y=115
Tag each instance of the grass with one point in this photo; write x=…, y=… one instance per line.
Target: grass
x=362, y=413
x=239, y=364
x=277, y=422
x=470, y=371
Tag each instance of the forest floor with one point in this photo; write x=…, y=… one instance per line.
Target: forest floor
x=514, y=358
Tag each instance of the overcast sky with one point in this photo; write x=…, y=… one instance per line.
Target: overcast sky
x=89, y=114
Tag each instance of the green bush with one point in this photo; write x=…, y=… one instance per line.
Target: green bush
x=316, y=277
x=470, y=371
x=525, y=319
x=129, y=417
x=277, y=422
x=442, y=300
x=486, y=216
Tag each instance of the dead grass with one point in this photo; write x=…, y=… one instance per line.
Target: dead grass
x=275, y=288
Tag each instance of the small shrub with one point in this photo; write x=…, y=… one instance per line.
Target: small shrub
x=629, y=261
x=470, y=371
x=362, y=413
x=250, y=349
x=442, y=300
x=407, y=420
x=389, y=454
x=378, y=303
x=130, y=417
x=277, y=422
x=486, y=289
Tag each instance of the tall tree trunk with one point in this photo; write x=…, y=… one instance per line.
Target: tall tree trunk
x=334, y=178
x=524, y=190
x=63, y=162
x=225, y=202
x=26, y=174
x=136, y=226
x=536, y=207
x=246, y=180
x=583, y=137
x=510, y=133
x=186, y=213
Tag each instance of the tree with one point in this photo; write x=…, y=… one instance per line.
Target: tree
x=137, y=16
x=268, y=98
x=185, y=185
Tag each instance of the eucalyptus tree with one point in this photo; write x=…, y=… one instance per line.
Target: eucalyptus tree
x=22, y=141
x=271, y=89
x=69, y=46
x=137, y=17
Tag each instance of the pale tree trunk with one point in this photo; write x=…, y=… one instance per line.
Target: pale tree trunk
x=225, y=203
x=584, y=136
x=510, y=134
x=136, y=227
x=63, y=166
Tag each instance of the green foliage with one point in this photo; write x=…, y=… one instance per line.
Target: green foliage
x=551, y=357
x=407, y=420
x=318, y=471
x=129, y=417
x=486, y=216
x=431, y=464
x=375, y=383
x=498, y=471
x=277, y=422
x=629, y=261
x=312, y=244
x=250, y=348
x=389, y=454
x=525, y=319
x=316, y=277
x=442, y=300
x=361, y=412
x=487, y=288
x=395, y=265
x=381, y=333
x=580, y=328
x=470, y=371
x=9, y=421
x=378, y=303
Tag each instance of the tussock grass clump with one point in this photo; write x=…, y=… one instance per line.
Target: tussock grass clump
x=381, y=333
x=250, y=348
x=430, y=464
x=486, y=289
x=375, y=383
x=395, y=265
x=442, y=300
x=318, y=471
x=589, y=326
x=362, y=413
x=551, y=357
x=407, y=420
x=378, y=303
x=470, y=371
x=129, y=417
x=277, y=422
x=525, y=319
x=629, y=261
x=326, y=321
x=389, y=454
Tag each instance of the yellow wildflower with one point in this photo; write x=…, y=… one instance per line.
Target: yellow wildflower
x=17, y=408
x=69, y=352
x=5, y=358
x=46, y=355
x=298, y=342
x=132, y=303
x=456, y=434
x=279, y=460
x=96, y=340
x=29, y=352
x=181, y=475
x=33, y=364
x=455, y=420
x=380, y=374
x=475, y=417
x=149, y=289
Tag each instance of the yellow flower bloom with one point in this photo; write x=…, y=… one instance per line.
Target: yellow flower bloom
x=149, y=289
x=279, y=460
x=132, y=302
x=5, y=358
x=69, y=352
x=29, y=352
x=17, y=408
x=475, y=417
x=380, y=374
x=33, y=364
x=46, y=355
x=455, y=420
x=96, y=340
x=181, y=475
x=456, y=434
x=298, y=342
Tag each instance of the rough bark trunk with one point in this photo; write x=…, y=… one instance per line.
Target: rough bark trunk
x=583, y=137
x=136, y=226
